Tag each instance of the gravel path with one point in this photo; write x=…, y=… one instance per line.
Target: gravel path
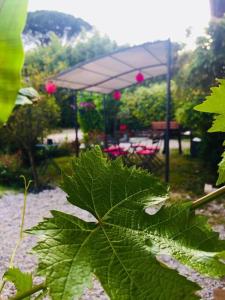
x=38, y=206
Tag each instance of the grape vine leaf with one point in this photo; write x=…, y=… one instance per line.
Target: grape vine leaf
x=12, y=21
x=215, y=103
x=22, y=281
x=122, y=247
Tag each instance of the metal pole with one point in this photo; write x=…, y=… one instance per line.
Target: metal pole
x=105, y=122
x=115, y=140
x=76, y=125
x=168, y=113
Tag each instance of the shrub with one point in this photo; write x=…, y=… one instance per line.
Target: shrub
x=29, y=124
x=11, y=169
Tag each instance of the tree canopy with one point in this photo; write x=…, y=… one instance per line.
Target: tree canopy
x=41, y=23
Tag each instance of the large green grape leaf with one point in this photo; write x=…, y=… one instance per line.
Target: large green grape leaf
x=22, y=281
x=215, y=103
x=12, y=20
x=122, y=247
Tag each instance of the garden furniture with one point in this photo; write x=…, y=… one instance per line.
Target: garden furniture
x=158, y=129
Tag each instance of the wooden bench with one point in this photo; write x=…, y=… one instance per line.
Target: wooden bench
x=159, y=127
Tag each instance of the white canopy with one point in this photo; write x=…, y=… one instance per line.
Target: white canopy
x=117, y=70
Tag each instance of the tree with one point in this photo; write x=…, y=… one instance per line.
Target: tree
x=198, y=70
x=43, y=62
x=28, y=123
x=40, y=25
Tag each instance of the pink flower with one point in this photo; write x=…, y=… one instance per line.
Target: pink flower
x=140, y=77
x=50, y=87
x=117, y=95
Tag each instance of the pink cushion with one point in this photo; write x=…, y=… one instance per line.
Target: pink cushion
x=112, y=149
x=119, y=153
x=145, y=152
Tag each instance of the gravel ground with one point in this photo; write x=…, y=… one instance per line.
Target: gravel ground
x=39, y=206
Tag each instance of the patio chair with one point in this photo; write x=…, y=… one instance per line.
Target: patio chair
x=148, y=156
x=115, y=151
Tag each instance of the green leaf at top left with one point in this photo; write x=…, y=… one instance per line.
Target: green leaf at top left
x=12, y=21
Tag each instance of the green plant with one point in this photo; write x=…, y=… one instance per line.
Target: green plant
x=197, y=71
x=142, y=106
x=12, y=21
x=93, y=138
x=22, y=281
x=123, y=246
x=30, y=123
x=27, y=96
x=90, y=119
x=10, y=169
x=215, y=104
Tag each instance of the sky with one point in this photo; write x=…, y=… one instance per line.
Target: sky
x=137, y=21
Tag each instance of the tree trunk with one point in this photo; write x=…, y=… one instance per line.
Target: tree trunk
x=33, y=168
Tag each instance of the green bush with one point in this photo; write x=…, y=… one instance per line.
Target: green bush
x=28, y=125
x=48, y=152
x=11, y=168
x=143, y=105
x=196, y=72
x=90, y=115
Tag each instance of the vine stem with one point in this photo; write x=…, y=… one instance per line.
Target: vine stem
x=208, y=198
x=32, y=291
x=26, y=188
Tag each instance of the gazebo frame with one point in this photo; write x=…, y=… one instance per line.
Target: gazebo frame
x=121, y=80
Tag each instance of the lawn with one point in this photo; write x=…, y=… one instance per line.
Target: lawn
x=187, y=178
x=188, y=175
